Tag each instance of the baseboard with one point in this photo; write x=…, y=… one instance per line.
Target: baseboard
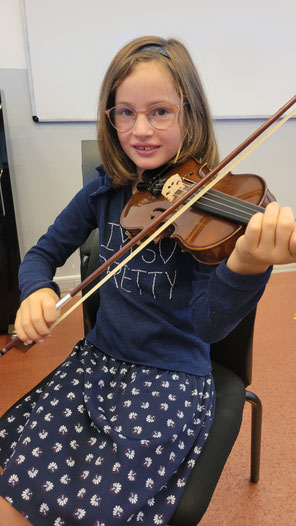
x=291, y=267
x=67, y=283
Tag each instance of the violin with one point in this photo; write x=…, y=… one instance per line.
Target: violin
x=210, y=227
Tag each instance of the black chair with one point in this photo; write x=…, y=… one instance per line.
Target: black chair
x=232, y=370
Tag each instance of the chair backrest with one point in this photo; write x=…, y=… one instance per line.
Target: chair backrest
x=234, y=351
x=90, y=158
x=89, y=261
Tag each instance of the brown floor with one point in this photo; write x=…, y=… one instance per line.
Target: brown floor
x=236, y=502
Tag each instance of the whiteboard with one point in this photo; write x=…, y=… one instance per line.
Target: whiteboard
x=244, y=50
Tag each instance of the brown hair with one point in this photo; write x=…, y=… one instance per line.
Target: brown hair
x=198, y=134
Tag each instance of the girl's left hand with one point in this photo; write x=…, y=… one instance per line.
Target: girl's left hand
x=269, y=239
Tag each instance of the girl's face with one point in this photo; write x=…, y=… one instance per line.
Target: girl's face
x=146, y=146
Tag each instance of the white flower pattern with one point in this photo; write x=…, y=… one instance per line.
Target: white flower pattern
x=115, y=422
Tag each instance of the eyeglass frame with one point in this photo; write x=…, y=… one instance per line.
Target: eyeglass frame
x=175, y=106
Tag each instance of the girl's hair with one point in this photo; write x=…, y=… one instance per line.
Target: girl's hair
x=198, y=134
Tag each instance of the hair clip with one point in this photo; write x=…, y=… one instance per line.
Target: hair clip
x=154, y=48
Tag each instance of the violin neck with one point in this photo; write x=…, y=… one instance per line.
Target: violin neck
x=227, y=207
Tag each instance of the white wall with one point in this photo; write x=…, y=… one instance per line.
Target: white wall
x=46, y=158
x=12, y=53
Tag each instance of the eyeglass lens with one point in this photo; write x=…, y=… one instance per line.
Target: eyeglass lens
x=160, y=116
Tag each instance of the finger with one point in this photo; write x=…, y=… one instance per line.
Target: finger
x=39, y=324
x=269, y=225
x=253, y=231
x=292, y=243
x=50, y=312
x=285, y=228
x=20, y=330
x=24, y=326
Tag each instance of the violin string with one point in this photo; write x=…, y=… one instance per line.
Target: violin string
x=228, y=202
x=228, y=206
x=222, y=204
x=222, y=210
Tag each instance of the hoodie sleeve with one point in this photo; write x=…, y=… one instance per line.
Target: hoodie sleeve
x=221, y=298
x=70, y=229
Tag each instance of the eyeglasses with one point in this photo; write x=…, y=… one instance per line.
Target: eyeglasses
x=161, y=116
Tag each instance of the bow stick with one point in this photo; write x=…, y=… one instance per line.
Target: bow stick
x=201, y=186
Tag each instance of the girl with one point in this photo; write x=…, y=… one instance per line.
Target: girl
x=112, y=437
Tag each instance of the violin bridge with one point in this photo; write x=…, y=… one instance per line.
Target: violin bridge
x=172, y=186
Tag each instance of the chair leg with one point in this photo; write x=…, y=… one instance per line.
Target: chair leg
x=255, y=434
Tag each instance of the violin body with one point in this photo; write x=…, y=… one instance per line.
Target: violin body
x=207, y=237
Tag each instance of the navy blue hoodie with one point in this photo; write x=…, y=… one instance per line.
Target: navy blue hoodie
x=163, y=308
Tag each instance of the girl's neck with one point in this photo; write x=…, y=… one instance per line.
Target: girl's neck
x=139, y=178
x=134, y=185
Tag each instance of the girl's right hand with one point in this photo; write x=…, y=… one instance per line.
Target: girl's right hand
x=35, y=315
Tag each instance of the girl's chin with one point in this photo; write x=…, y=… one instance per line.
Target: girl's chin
x=150, y=164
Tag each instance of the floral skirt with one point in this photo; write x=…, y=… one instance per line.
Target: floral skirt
x=104, y=442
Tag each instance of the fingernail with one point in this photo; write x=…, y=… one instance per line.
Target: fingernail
x=40, y=341
x=28, y=342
